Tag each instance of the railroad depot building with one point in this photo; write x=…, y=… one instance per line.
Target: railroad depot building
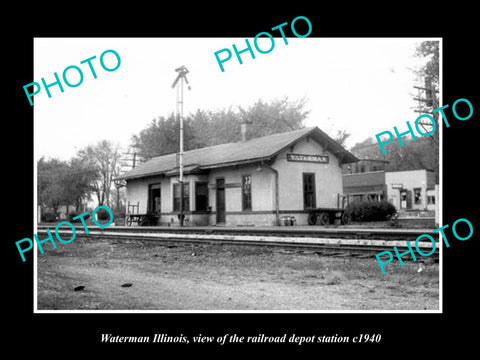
x=252, y=182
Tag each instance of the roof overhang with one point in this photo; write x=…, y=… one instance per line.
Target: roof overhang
x=237, y=163
x=139, y=176
x=188, y=169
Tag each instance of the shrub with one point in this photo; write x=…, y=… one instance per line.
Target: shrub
x=102, y=214
x=393, y=221
x=370, y=211
x=48, y=217
x=73, y=214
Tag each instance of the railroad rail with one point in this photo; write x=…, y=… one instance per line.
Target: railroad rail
x=281, y=231
x=324, y=241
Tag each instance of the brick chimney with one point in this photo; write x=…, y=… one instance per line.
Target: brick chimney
x=243, y=128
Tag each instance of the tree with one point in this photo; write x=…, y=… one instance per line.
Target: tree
x=103, y=158
x=79, y=179
x=429, y=74
x=413, y=155
x=279, y=116
x=429, y=50
x=341, y=136
x=51, y=187
x=214, y=127
x=162, y=137
x=63, y=183
x=424, y=152
x=208, y=128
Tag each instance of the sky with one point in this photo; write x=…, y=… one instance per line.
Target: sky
x=362, y=85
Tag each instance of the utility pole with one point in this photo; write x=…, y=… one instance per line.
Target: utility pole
x=426, y=105
x=182, y=76
x=130, y=158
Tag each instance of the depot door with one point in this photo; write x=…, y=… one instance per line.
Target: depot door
x=154, y=199
x=220, y=202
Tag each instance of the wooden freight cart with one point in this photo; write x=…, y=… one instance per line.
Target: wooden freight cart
x=133, y=216
x=325, y=216
x=142, y=219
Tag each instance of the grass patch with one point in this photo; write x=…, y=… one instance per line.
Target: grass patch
x=334, y=279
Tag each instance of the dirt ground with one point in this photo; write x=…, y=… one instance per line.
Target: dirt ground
x=223, y=277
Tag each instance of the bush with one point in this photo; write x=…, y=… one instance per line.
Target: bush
x=370, y=211
x=73, y=214
x=102, y=214
x=48, y=217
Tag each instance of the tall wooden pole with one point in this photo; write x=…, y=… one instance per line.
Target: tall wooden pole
x=181, y=152
x=182, y=73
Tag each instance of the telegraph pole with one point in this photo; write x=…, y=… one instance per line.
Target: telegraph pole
x=182, y=76
x=426, y=105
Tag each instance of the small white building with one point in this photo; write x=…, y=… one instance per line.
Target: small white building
x=251, y=182
x=412, y=189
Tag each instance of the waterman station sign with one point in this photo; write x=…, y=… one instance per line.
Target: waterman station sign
x=323, y=159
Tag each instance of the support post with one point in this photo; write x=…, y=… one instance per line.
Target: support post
x=277, y=204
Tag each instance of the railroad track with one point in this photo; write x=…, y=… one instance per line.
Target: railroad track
x=278, y=231
x=325, y=241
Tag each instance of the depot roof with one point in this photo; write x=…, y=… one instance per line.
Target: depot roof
x=255, y=150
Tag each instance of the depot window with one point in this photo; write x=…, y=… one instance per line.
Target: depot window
x=247, y=192
x=186, y=197
x=309, y=190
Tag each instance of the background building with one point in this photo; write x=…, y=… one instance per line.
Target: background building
x=409, y=191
